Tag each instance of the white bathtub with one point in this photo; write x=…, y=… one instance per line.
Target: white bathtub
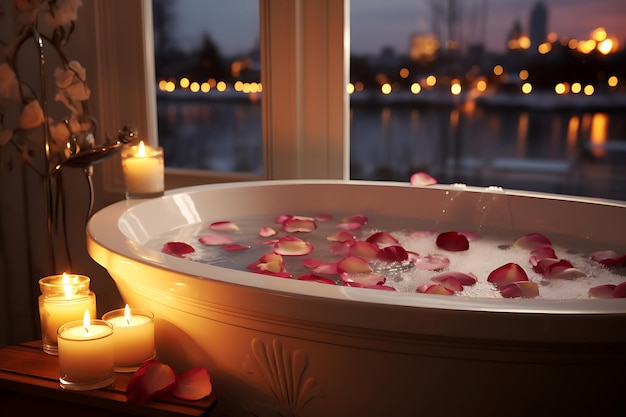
x=283, y=347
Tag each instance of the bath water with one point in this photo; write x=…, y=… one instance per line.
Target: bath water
x=485, y=254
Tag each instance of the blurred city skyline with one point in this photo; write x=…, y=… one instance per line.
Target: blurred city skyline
x=376, y=25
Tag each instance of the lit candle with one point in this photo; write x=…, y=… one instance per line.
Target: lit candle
x=63, y=298
x=133, y=338
x=86, y=354
x=143, y=170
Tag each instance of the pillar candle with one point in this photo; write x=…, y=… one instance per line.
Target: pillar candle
x=143, y=170
x=86, y=354
x=133, y=338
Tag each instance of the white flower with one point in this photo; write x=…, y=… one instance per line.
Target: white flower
x=66, y=12
x=8, y=83
x=32, y=115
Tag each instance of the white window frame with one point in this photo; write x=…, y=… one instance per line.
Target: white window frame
x=305, y=70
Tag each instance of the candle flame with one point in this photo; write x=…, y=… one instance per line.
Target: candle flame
x=87, y=321
x=67, y=287
x=141, y=151
x=127, y=314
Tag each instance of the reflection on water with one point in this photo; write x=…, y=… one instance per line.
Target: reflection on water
x=579, y=153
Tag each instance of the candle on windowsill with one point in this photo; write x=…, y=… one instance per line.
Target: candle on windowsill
x=63, y=298
x=143, y=171
x=133, y=337
x=86, y=358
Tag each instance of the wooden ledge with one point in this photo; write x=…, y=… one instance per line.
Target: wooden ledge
x=28, y=375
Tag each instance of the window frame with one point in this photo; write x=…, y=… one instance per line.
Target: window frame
x=305, y=70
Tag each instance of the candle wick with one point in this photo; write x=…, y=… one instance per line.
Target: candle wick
x=86, y=329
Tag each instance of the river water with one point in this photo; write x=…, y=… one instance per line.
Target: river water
x=569, y=152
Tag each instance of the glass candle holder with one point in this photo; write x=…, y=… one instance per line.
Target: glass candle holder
x=86, y=355
x=143, y=171
x=63, y=298
x=133, y=338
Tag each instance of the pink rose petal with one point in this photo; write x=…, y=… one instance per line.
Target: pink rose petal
x=179, y=249
x=341, y=236
x=354, y=265
x=532, y=241
x=362, y=279
x=267, y=231
x=371, y=287
x=280, y=219
x=316, y=278
x=507, y=274
x=323, y=217
x=434, y=289
x=216, y=240
x=224, y=226
x=193, y=385
x=537, y=255
x=602, y=291
x=364, y=250
x=299, y=225
x=233, y=247
x=609, y=258
x=520, y=289
x=422, y=179
x=430, y=262
x=292, y=246
x=382, y=239
x=341, y=248
x=349, y=226
x=326, y=268
x=394, y=253
x=452, y=241
x=557, y=268
x=312, y=262
x=449, y=282
x=463, y=278
x=357, y=218
x=152, y=380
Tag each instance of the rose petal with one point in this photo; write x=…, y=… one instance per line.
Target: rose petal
x=316, y=278
x=341, y=248
x=281, y=218
x=353, y=265
x=602, y=291
x=620, y=291
x=365, y=250
x=463, y=278
x=452, y=241
x=267, y=231
x=422, y=179
x=430, y=262
x=394, y=253
x=434, y=289
x=357, y=218
x=532, y=241
x=609, y=258
x=299, y=225
x=224, y=226
x=537, y=255
x=193, y=385
x=520, y=289
x=362, y=279
x=350, y=226
x=371, y=287
x=292, y=246
x=179, y=249
x=507, y=274
x=342, y=236
x=323, y=217
x=216, y=240
x=312, y=262
x=326, y=268
x=557, y=268
x=382, y=239
x=234, y=247
x=151, y=380
x=449, y=282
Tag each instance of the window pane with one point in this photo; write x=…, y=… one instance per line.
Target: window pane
x=208, y=97
x=515, y=93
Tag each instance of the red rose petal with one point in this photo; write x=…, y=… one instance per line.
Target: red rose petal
x=452, y=241
x=602, y=291
x=224, y=226
x=364, y=250
x=449, y=282
x=179, y=249
x=151, y=380
x=216, y=240
x=193, y=385
x=292, y=246
x=394, y=253
x=342, y=236
x=620, y=291
x=507, y=274
x=532, y=241
x=537, y=255
x=422, y=179
x=316, y=278
x=520, y=289
x=312, y=262
x=557, y=268
x=362, y=279
x=354, y=265
x=461, y=277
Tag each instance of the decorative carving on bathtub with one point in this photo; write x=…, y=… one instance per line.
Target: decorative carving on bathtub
x=284, y=376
